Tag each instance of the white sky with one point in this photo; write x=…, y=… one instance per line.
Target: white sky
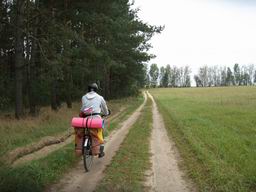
x=199, y=32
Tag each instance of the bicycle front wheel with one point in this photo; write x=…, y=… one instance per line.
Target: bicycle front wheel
x=87, y=154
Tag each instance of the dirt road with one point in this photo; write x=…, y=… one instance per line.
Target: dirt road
x=165, y=174
x=77, y=180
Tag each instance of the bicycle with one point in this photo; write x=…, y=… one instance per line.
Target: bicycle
x=87, y=147
x=87, y=151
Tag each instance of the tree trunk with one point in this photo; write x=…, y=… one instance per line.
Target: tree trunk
x=34, y=67
x=68, y=84
x=68, y=89
x=69, y=101
x=19, y=58
x=54, y=102
x=68, y=72
x=107, y=83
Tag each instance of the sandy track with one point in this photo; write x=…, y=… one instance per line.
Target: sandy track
x=165, y=174
x=77, y=180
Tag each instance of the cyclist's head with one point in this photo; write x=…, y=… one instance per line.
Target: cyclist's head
x=93, y=87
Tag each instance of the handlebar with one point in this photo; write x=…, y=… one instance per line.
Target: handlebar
x=82, y=114
x=109, y=113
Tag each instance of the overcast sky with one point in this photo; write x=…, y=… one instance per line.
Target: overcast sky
x=199, y=32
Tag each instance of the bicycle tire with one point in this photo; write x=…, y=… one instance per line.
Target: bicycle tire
x=87, y=155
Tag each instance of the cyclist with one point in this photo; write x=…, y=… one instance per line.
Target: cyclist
x=97, y=103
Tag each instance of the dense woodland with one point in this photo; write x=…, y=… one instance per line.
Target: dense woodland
x=50, y=51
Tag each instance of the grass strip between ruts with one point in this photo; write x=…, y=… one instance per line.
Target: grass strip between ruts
x=36, y=175
x=127, y=169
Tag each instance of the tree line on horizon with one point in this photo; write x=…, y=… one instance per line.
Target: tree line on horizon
x=168, y=76
x=207, y=76
x=226, y=76
x=51, y=50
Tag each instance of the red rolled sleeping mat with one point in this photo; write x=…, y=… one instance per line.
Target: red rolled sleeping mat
x=88, y=122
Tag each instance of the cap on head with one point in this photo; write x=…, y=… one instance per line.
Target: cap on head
x=93, y=87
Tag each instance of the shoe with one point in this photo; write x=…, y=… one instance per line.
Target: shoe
x=101, y=155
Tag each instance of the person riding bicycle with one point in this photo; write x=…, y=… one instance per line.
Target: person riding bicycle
x=99, y=107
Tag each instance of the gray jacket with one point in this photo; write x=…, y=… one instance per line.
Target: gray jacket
x=94, y=100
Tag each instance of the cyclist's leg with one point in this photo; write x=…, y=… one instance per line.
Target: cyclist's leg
x=102, y=153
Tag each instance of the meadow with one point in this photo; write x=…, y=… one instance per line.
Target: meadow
x=215, y=132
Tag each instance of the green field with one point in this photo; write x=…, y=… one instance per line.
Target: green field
x=215, y=131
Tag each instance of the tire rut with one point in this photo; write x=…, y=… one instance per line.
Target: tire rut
x=165, y=174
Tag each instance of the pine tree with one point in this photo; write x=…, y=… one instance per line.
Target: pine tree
x=223, y=76
x=254, y=77
x=237, y=74
x=154, y=73
x=19, y=60
x=161, y=76
x=65, y=45
x=203, y=75
x=198, y=81
x=168, y=72
x=230, y=77
x=187, y=71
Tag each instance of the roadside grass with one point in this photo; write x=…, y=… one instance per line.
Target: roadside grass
x=215, y=131
x=17, y=133
x=36, y=175
x=127, y=169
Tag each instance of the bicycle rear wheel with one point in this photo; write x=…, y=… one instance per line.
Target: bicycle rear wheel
x=87, y=154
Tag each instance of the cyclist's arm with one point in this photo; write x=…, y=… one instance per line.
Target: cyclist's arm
x=83, y=101
x=104, y=107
